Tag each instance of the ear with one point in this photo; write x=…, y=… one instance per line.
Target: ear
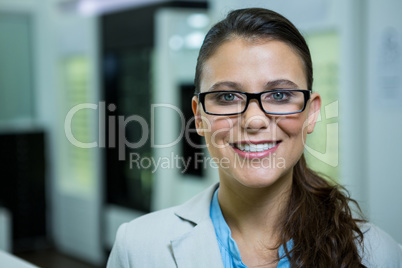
x=314, y=110
x=196, y=106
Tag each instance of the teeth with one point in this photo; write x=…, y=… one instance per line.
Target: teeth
x=252, y=148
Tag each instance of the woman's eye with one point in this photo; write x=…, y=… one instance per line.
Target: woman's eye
x=278, y=95
x=229, y=97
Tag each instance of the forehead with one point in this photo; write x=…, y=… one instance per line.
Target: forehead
x=253, y=63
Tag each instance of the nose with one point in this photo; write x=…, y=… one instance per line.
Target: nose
x=254, y=118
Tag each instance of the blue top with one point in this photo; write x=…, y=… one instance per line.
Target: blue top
x=229, y=251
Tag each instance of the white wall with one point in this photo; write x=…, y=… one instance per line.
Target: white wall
x=76, y=193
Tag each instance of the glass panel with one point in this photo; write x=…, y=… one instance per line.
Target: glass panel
x=128, y=88
x=78, y=165
x=16, y=102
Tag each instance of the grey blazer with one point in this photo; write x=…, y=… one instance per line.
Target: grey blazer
x=184, y=237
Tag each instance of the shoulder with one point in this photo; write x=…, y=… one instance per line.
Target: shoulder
x=172, y=222
x=380, y=250
x=138, y=240
x=159, y=226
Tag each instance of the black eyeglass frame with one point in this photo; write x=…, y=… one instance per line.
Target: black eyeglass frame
x=255, y=96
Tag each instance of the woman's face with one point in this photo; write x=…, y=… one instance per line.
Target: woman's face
x=254, y=67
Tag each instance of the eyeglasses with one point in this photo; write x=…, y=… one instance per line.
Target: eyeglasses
x=276, y=102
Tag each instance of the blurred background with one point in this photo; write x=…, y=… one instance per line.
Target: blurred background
x=93, y=91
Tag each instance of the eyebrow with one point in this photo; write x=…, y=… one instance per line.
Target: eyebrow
x=229, y=84
x=281, y=83
x=275, y=84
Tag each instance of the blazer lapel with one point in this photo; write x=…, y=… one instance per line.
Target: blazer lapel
x=198, y=247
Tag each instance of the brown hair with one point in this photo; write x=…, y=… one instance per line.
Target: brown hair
x=318, y=218
x=254, y=24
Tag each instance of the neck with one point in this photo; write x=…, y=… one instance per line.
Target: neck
x=250, y=212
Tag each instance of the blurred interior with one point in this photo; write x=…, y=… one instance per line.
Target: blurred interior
x=91, y=91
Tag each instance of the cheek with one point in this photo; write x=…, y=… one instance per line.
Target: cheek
x=220, y=129
x=294, y=127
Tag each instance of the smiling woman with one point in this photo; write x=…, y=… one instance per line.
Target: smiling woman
x=254, y=105
x=254, y=67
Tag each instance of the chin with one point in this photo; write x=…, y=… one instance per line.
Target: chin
x=259, y=178
x=257, y=184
